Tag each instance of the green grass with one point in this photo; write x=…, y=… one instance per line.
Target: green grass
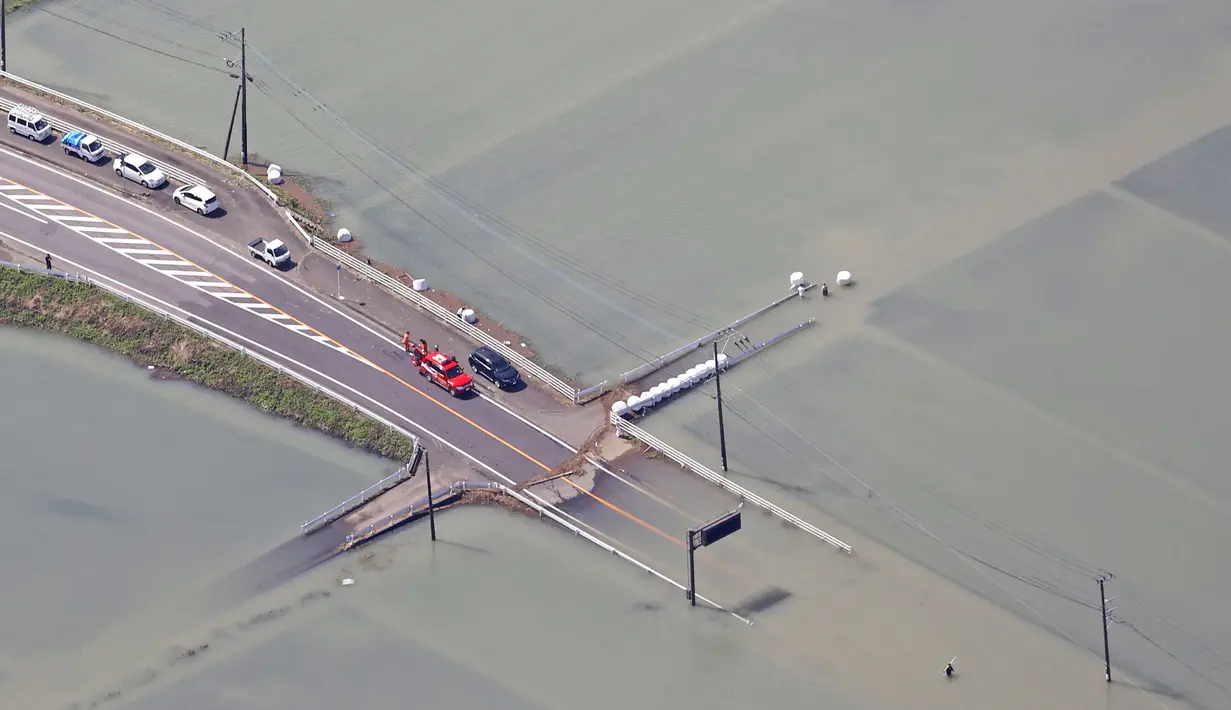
x=94, y=316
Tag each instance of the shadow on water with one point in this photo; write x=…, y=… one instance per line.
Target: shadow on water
x=761, y=601
x=280, y=565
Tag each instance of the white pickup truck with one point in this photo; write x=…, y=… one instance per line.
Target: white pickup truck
x=273, y=253
x=83, y=145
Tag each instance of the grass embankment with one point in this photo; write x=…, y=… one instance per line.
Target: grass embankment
x=94, y=316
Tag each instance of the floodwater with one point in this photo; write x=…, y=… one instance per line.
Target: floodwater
x=1026, y=387
x=127, y=501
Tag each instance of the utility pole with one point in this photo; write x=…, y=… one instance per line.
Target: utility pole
x=722, y=430
x=230, y=126
x=241, y=95
x=431, y=504
x=1106, y=618
x=4, y=35
x=243, y=91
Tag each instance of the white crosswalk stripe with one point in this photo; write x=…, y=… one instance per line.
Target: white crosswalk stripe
x=164, y=261
x=72, y=217
x=82, y=229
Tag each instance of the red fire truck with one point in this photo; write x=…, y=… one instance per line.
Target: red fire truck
x=444, y=371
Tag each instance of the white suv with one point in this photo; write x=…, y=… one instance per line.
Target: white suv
x=139, y=168
x=198, y=198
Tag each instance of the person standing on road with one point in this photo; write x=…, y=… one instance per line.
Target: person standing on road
x=47, y=261
x=406, y=341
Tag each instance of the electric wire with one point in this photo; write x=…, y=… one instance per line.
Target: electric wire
x=563, y=309
x=462, y=203
x=129, y=42
x=494, y=225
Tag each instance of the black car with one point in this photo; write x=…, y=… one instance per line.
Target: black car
x=492, y=365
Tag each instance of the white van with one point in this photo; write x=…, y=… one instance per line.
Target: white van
x=27, y=121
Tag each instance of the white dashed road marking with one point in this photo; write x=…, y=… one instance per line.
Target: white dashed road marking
x=164, y=261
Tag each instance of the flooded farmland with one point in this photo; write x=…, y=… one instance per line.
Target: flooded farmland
x=1025, y=387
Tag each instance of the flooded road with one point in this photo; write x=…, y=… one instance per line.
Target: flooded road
x=129, y=502
x=1025, y=388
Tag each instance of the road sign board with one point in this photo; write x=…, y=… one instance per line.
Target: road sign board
x=719, y=528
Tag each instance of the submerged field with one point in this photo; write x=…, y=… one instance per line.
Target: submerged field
x=1033, y=197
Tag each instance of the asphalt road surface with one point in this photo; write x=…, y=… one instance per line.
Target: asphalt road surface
x=195, y=266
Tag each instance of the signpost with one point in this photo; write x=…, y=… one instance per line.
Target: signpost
x=704, y=536
x=340, y=296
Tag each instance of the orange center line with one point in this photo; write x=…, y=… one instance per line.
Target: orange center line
x=372, y=364
x=625, y=513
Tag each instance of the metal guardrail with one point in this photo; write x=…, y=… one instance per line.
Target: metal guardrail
x=355, y=265
x=364, y=496
x=530, y=500
x=439, y=498
x=63, y=127
x=171, y=172
x=658, y=363
x=380, y=278
x=623, y=425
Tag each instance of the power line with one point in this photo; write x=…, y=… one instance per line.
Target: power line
x=179, y=16
x=101, y=17
x=463, y=205
x=130, y=42
x=468, y=206
x=472, y=211
x=614, y=337
x=555, y=305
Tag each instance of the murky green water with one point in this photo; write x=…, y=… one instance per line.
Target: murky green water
x=1044, y=399
x=126, y=500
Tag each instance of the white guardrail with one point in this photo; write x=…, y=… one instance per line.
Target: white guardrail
x=623, y=425
x=526, y=366
x=380, y=278
x=172, y=172
x=367, y=494
x=530, y=500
